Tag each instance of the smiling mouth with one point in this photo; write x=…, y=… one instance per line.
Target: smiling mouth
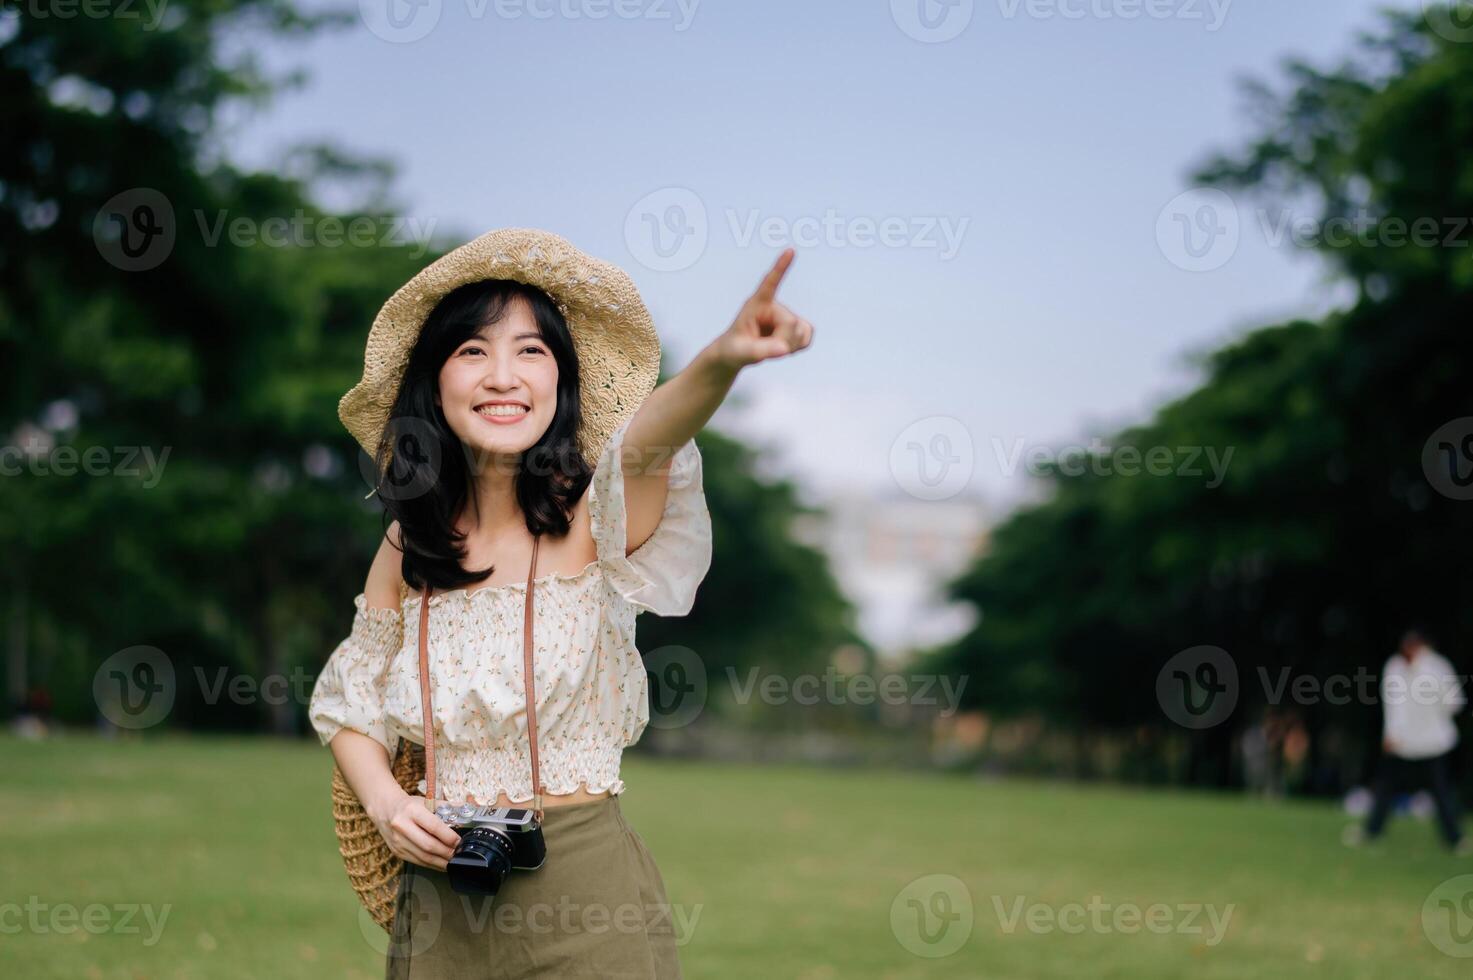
x=503, y=411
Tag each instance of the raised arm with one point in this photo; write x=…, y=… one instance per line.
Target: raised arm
x=678, y=409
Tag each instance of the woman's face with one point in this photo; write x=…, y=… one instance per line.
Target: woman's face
x=498, y=389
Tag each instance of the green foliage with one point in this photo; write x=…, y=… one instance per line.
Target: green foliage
x=241, y=546
x=1325, y=538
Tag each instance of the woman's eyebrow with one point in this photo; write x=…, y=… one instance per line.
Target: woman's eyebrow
x=484, y=335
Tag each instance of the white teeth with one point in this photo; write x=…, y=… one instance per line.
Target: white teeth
x=502, y=410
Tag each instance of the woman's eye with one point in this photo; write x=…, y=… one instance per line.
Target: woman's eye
x=478, y=350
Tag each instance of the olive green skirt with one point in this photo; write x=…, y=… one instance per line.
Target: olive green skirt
x=596, y=908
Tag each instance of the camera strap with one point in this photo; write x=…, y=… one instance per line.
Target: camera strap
x=528, y=679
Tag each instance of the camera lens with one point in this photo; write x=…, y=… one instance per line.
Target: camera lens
x=481, y=862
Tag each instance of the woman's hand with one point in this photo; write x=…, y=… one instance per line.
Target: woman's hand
x=413, y=832
x=764, y=328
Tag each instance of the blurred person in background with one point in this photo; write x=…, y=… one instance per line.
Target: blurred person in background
x=1420, y=696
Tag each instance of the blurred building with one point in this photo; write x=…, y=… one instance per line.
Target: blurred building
x=893, y=556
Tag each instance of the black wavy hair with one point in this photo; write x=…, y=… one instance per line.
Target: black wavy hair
x=428, y=483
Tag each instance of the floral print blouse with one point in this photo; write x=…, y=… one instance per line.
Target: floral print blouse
x=590, y=681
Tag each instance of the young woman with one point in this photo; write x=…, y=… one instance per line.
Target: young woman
x=509, y=402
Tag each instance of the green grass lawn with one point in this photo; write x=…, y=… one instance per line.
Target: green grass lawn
x=792, y=872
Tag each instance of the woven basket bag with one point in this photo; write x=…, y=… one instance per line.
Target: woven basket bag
x=373, y=869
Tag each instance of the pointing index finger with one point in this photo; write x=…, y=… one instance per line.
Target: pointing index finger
x=768, y=289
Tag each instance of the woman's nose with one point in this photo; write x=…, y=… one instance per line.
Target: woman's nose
x=500, y=374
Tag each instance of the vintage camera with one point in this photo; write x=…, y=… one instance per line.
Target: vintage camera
x=493, y=841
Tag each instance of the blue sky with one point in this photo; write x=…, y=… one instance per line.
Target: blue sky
x=1047, y=137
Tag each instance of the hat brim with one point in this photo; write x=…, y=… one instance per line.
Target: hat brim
x=614, y=337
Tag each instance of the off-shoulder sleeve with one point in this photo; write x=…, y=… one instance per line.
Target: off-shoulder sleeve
x=663, y=574
x=349, y=691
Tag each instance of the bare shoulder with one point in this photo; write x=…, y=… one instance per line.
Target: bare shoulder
x=385, y=580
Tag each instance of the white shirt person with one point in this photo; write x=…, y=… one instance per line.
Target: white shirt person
x=1421, y=696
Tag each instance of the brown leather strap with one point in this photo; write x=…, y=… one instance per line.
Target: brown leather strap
x=529, y=679
x=424, y=694
x=529, y=682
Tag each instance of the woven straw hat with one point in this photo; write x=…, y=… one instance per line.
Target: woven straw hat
x=613, y=335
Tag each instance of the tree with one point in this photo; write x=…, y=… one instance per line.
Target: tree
x=1328, y=534
x=192, y=326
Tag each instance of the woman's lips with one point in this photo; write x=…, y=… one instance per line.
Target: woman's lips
x=504, y=419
